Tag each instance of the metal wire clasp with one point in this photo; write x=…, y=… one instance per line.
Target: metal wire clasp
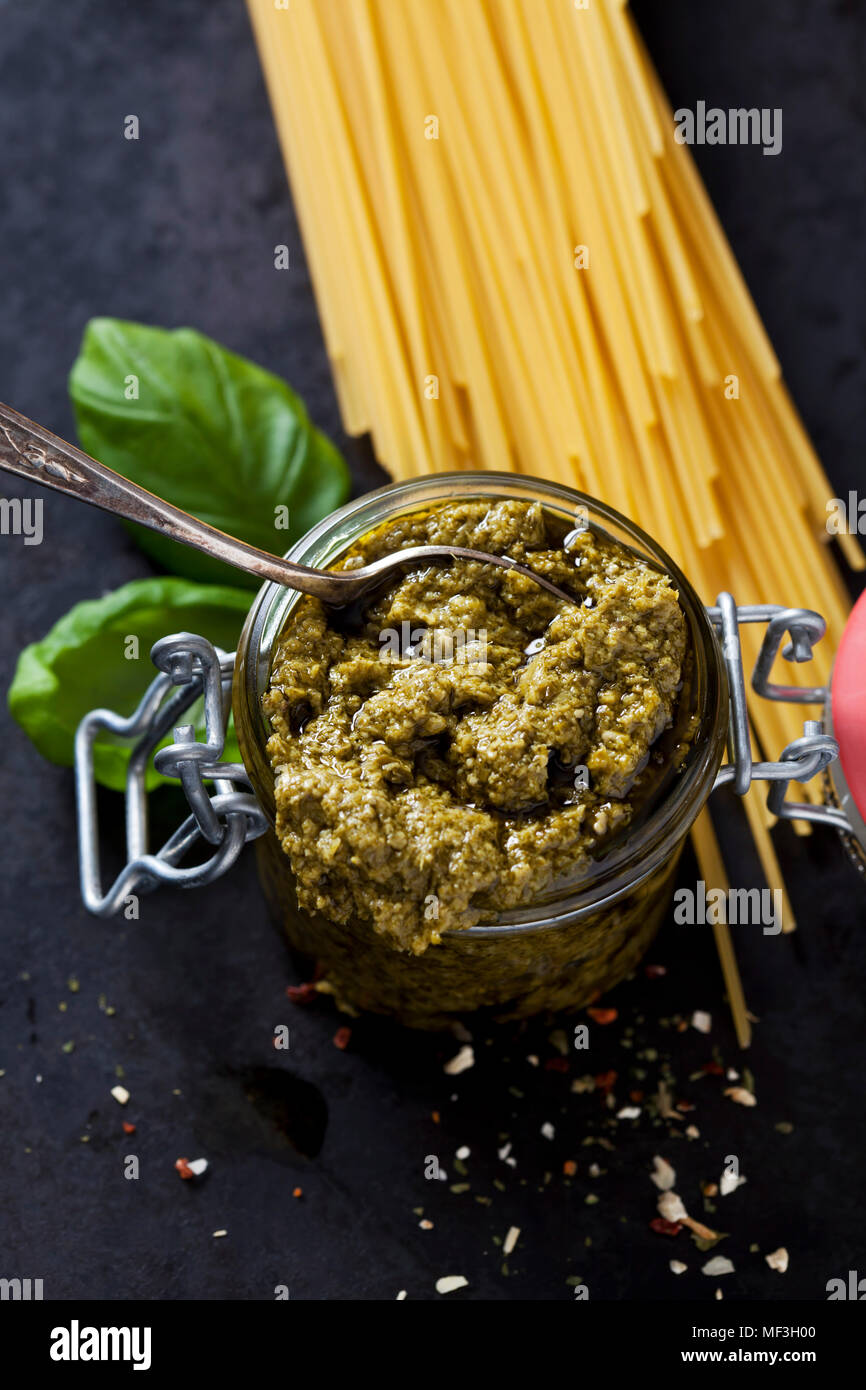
x=224, y=817
x=806, y=756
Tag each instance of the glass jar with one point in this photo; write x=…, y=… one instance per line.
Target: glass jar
x=577, y=939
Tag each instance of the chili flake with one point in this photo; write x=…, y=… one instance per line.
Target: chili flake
x=665, y=1228
x=302, y=994
x=603, y=1016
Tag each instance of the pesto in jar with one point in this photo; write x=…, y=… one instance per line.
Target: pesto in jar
x=475, y=740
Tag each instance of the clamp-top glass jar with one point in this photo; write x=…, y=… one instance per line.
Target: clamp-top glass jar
x=581, y=936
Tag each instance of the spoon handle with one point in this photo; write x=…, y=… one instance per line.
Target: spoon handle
x=33, y=452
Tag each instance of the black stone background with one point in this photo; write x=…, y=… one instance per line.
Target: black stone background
x=179, y=228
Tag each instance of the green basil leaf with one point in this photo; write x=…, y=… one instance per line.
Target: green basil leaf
x=208, y=431
x=82, y=664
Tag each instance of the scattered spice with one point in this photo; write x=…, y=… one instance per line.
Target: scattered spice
x=677, y=1267
x=569, y=1167
x=297, y=1192
x=664, y=1104
x=778, y=1259
x=671, y=1207
x=511, y=1239
x=740, y=1095
x=461, y=1062
x=663, y=1227
x=121, y=1095
x=603, y=1016
x=556, y=1064
x=341, y=1038
x=664, y=1176
x=302, y=994
x=703, y=1237
x=449, y=1282
x=191, y=1168
x=717, y=1266
x=729, y=1183
x=128, y=1128
x=702, y=1021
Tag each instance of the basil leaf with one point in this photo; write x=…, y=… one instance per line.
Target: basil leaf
x=208, y=431
x=82, y=663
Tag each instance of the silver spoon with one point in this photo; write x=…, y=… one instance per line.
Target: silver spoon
x=35, y=453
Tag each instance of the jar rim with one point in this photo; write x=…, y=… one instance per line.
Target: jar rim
x=640, y=853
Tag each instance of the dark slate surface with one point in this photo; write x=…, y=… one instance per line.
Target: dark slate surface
x=179, y=228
